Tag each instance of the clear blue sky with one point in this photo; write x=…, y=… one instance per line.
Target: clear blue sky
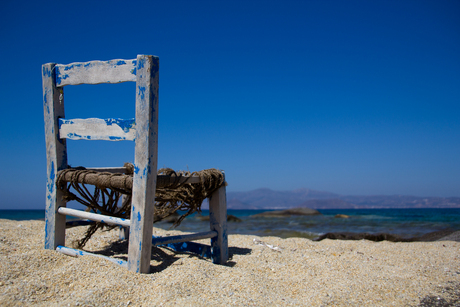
x=351, y=97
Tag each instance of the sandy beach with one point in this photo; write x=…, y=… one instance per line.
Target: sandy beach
x=298, y=272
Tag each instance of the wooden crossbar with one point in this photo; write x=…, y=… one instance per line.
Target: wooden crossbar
x=77, y=253
x=95, y=217
x=189, y=247
x=126, y=223
x=112, y=129
x=96, y=72
x=184, y=238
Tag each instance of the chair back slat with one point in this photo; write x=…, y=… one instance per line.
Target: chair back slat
x=96, y=72
x=112, y=129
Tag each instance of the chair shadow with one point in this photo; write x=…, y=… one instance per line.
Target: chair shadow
x=119, y=250
x=233, y=250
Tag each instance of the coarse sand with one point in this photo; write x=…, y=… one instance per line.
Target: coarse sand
x=268, y=271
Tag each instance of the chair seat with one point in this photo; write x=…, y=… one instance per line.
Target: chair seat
x=102, y=178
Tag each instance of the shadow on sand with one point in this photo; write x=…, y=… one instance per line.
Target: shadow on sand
x=119, y=250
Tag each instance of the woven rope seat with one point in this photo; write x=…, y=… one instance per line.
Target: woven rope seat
x=175, y=191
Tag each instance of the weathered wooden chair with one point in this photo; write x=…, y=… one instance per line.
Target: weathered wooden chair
x=143, y=130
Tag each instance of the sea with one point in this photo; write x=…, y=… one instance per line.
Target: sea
x=406, y=223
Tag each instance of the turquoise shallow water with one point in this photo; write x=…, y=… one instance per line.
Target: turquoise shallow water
x=403, y=222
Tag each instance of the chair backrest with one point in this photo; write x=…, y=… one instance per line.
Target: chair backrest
x=144, y=70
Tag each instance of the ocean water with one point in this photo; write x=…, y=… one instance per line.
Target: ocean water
x=404, y=222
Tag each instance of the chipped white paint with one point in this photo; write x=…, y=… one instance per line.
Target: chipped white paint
x=97, y=129
x=95, y=72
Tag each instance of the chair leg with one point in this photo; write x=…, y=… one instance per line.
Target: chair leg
x=218, y=223
x=145, y=164
x=55, y=223
x=123, y=233
x=56, y=154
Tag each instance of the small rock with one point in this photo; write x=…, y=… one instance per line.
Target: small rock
x=232, y=218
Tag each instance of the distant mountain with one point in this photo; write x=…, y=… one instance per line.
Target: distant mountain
x=333, y=203
x=237, y=204
x=270, y=199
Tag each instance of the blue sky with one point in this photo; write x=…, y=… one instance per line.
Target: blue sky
x=351, y=97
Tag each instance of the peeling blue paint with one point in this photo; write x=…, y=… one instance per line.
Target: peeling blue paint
x=125, y=124
x=134, y=70
x=46, y=72
x=71, y=135
x=141, y=63
x=142, y=92
x=136, y=169
x=121, y=62
x=46, y=236
x=70, y=67
x=139, y=217
x=121, y=262
x=51, y=179
x=60, y=76
x=64, y=121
